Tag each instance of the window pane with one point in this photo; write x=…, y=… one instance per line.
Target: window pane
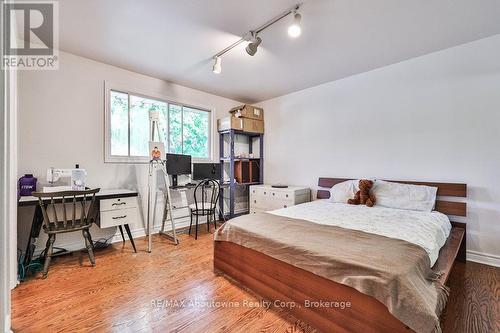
x=175, y=128
x=195, y=132
x=163, y=123
x=119, y=123
x=139, y=126
x=139, y=123
x=184, y=130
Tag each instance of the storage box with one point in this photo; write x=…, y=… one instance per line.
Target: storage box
x=242, y=171
x=254, y=171
x=246, y=171
x=248, y=111
x=242, y=124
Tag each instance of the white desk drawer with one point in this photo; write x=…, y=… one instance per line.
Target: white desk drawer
x=256, y=201
x=286, y=203
x=281, y=195
x=277, y=204
x=259, y=191
x=257, y=210
x=118, y=203
x=112, y=218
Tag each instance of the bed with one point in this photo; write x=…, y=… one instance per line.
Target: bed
x=297, y=271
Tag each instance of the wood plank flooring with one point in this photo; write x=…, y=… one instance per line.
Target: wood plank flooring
x=474, y=301
x=143, y=292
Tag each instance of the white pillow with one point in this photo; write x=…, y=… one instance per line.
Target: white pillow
x=344, y=191
x=404, y=196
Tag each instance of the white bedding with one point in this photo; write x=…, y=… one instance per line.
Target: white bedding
x=428, y=230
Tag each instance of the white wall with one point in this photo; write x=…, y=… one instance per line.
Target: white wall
x=434, y=118
x=61, y=122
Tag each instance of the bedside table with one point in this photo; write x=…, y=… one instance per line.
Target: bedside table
x=265, y=197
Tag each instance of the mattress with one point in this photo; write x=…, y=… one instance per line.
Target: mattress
x=428, y=230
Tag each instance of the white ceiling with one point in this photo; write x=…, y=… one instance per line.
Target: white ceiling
x=175, y=40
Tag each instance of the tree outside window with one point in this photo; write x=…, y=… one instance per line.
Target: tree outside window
x=184, y=130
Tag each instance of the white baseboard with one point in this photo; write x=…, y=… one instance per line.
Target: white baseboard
x=140, y=232
x=483, y=258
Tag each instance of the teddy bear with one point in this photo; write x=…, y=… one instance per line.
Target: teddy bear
x=363, y=196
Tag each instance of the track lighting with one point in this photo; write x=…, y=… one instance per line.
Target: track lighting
x=217, y=69
x=253, y=45
x=294, y=30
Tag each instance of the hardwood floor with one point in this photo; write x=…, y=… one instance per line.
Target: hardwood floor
x=474, y=301
x=144, y=292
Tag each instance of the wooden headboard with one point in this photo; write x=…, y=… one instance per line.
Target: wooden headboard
x=455, y=208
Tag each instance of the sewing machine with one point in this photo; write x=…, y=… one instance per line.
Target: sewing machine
x=75, y=179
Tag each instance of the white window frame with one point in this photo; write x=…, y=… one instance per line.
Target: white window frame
x=108, y=158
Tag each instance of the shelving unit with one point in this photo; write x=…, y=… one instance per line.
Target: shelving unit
x=226, y=159
x=231, y=185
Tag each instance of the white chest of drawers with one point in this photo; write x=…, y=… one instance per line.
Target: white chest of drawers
x=116, y=212
x=265, y=197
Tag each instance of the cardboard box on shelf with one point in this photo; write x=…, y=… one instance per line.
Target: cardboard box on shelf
x=254, y=171
x=242, y=124
x=248, y=111
x=242, y=171
x=246, y=171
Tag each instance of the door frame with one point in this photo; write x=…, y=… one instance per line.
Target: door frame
x=4, y=209
x=8, y=189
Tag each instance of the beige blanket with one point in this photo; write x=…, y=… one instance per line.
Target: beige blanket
x=395, y=272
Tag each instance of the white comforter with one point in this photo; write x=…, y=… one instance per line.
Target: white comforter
x=428, y=230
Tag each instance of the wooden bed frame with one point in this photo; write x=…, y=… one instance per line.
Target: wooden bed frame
x=276, y=280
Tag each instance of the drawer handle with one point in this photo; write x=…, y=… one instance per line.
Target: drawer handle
x=284, y=206
x=287, y=195
x=119, y=203
x=255, y=201
x=119, y=217
x=265, y=193
x=273, y=193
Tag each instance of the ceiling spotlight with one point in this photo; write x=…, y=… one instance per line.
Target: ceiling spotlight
x=253, y=45
x=253, y=42
x=217, y=69
x=294, y=30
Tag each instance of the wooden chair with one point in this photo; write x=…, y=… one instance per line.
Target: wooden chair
x=54, y=225
x=208, y=204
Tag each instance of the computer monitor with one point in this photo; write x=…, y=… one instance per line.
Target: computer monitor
x=178, y=164
x=206, y=171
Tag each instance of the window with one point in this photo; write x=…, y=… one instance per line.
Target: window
x=183, y=129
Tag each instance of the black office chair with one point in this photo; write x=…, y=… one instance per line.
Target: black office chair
x=210, y=191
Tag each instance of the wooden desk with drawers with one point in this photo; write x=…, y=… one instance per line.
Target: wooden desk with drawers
x=116, y=208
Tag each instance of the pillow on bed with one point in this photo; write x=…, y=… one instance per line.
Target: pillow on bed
x=344, y=191
x=405, y=196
